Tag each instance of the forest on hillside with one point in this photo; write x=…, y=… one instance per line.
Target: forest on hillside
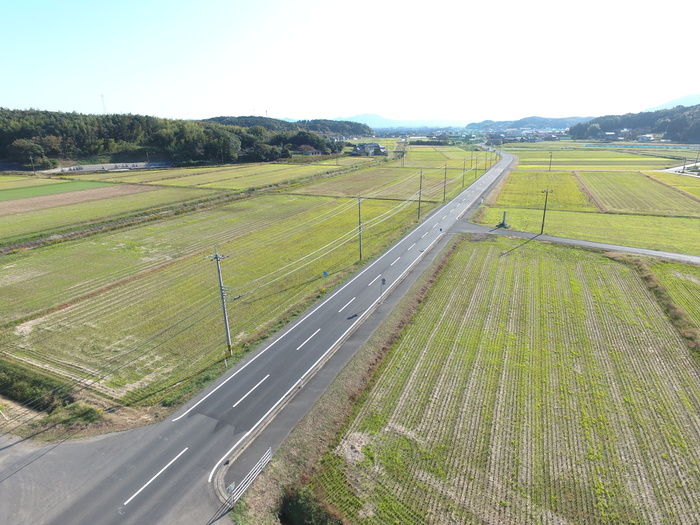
x=679, y=124
x=333, y=127
x=43, y=138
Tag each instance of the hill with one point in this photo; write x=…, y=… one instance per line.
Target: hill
x=334, y=127
x=528, y=122
x=40, y=139
x=678, y=124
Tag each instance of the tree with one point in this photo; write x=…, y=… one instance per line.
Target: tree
x=27, y=152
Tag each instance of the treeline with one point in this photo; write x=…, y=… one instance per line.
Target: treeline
x=331, y=127
x=679, y=124
x=41, y=138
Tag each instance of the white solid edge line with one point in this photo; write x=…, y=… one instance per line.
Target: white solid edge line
x=154, y=477
x=250, y=391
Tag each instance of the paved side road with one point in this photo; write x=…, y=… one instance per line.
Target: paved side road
x=464, y=226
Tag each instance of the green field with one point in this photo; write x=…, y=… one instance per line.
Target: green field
x=686, y=183
x=632, y=192
x=575, y=156
x=125, y=310
x=545, y=386
x=524, y=190
x=42, y=223
x=656, y=210
x=10, y=182
x=49, y=188
x=128, y=309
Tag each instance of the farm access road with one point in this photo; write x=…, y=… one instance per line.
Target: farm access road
x=176, y=471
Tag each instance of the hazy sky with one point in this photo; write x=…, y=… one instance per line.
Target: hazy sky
x=303, y=59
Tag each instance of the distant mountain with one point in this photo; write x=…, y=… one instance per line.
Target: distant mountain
x=687, y=101
x=378, y=122
x=528, y=122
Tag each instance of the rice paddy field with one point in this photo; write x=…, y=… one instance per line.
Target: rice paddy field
x=135, y=313
x=581, y=156
x=592, y=200
x=542, y=386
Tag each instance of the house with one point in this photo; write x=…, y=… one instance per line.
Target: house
x=369, y=149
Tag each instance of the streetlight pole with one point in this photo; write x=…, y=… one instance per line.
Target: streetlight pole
x=544, y=214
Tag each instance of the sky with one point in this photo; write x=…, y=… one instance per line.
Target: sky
x=306, y=59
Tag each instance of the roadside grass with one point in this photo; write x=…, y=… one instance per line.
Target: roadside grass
x=546, y=385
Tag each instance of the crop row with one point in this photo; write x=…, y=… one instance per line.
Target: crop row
x=524, y=189
x=558, y=158
x=42, y=223
x=633, y=192
x=529, y=388
x=685, y=183
x=159, y=327
x=683, y=285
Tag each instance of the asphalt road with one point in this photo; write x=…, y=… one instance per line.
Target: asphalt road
x=173, y=472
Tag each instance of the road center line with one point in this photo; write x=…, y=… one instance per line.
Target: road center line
x=154, y=477
x=412, y=245
x=251, y=391
x=426, y=233
x=344, y=307
x=308, y=339
x=397, y=260
x=374, y=280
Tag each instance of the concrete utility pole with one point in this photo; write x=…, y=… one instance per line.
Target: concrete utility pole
x=546, y=194
x=223, y=291
x=550, y=161
x=444, y=186
x=420, y=192
x=359, y=222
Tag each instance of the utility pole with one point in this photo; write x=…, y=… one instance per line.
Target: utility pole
x=420, y=192
x=444, y=186
x=223, y=291
x=550, y=161
x=464, y=170
x=31, y=159
x=544, y=214
x=359, y=222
